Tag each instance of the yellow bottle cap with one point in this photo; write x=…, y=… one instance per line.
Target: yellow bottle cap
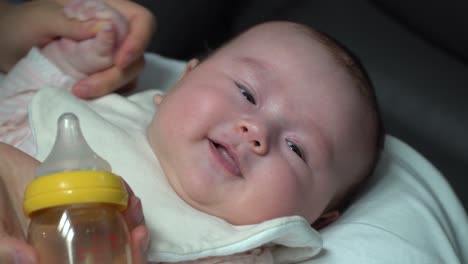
x=75, y=187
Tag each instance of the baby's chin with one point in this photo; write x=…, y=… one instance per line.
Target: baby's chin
x=226, y=213
x=196, y=198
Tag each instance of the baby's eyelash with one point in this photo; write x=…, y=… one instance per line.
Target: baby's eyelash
x=247, y=94
x=296, y=149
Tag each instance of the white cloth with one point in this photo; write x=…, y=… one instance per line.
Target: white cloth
x=114, y=127
x=408, y=214
x=16, y=90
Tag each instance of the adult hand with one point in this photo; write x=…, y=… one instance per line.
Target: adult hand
x=139, y=234
x=129, y=58
x=17, y=169
x=16, y=250
x=35, y=23
x=38, y=22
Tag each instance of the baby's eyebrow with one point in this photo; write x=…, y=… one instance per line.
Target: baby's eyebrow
x=260, y=70
x=253, y=63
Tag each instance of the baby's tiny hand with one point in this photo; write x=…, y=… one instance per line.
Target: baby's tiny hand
x=86, y=10
x=82, y=58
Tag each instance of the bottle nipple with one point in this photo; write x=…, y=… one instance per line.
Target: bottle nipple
x=71, y=152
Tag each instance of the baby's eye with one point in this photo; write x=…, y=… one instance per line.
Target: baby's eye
x=247, y=94
x=296, y=149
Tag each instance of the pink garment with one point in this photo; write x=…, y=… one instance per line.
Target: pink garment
x=17, y=90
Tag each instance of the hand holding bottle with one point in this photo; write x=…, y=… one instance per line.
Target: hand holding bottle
x=15, y=164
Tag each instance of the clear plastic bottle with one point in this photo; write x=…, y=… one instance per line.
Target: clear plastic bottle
x=75, y=204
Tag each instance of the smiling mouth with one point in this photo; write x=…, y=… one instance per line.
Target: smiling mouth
x=225, y=159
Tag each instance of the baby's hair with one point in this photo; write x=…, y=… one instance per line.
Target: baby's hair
x=358, y=74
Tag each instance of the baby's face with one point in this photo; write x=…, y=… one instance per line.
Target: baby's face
x=266, y=127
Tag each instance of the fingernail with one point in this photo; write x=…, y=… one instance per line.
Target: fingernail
x=102, y=26
x=22, y=258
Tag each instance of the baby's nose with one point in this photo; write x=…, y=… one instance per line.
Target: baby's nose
x=255, y=134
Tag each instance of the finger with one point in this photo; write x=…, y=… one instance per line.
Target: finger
x=121, y=26
x=127, y=187
x=128, y=87
x=142, y=25
x=61, y=2
x=59, y=25
x=78, y=30
x=107, y=81
x=16, y=251
x=133, y=215
x=140, y=243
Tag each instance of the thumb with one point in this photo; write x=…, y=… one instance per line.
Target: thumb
x=16, y=251
x=77, y=30
x=107, y=81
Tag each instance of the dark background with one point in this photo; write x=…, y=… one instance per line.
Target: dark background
x=415, y=52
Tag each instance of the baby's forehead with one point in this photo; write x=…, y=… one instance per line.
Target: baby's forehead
x=292, y=45
x=297, y=58
x=300, y=61
x=271, y=34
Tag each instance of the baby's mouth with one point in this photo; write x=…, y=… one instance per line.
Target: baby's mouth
x=226, y=158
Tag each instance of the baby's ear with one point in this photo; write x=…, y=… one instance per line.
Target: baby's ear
x=189, y=67
x=326, y=219
x=158, y=98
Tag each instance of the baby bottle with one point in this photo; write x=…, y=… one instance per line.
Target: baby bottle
x=75, y=204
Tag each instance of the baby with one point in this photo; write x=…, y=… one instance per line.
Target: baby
x=280, y=121
x=280, y=118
